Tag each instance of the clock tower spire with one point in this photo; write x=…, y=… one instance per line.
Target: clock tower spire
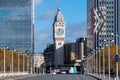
x=59, y=38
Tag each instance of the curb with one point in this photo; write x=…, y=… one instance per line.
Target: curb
x=94, y=77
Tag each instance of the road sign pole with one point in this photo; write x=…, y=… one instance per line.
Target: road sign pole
x=116, y=39
x=117, y=59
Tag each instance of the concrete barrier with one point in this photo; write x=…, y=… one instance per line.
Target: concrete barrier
x=13, y=74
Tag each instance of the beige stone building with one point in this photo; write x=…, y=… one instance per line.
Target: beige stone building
x=38, y=60
x=74, y=53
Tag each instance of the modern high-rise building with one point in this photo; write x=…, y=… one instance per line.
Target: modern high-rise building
x=59, y=38
x=90, y=17
x=17, y=24
x=102, y=18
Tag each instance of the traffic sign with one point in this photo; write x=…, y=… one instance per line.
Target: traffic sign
x=93, y=64
x=116, y=57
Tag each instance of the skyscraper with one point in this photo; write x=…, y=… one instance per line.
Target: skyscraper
x=102, y=21
x=16, y=24
x=90, y=36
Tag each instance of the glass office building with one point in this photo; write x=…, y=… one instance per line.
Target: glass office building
x=16, y=24
x=109, y=12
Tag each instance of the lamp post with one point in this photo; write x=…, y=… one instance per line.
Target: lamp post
x=103, y=70
x=18, y=62
x=96, y=59
x=23, y=62
x=109, y=58
x=10, y=67
x=99, y=61
x=12, y=62
x=4, y=61
x=104, y=60
x=24, y=54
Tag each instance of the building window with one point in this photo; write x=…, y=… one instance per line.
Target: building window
x=102, y=3
x=59, y=43
x=112, y=2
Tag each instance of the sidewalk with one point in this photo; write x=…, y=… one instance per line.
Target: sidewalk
x=13, y=75
x=101, y=77
x=18, y=77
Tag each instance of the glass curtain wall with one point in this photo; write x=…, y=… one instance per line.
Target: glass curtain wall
x=15, y=24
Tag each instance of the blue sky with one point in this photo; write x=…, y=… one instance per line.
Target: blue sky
x=74, y=12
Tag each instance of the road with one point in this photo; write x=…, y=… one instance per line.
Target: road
x=61, y=77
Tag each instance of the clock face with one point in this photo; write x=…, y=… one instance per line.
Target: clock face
x=59, y=31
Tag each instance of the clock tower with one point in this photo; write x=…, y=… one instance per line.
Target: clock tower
x=59, y=38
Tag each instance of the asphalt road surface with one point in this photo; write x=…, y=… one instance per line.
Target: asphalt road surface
x=61, y=77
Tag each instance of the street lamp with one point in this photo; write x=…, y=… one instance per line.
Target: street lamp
x=18, y=62
x=99, y=61
x=104, y=60
x=24, y=53
x=5, y=61
x=109, y=57
x=23, y=61
x=12, y=62
x=96, y=59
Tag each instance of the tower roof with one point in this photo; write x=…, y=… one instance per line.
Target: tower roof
x=59, y=17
